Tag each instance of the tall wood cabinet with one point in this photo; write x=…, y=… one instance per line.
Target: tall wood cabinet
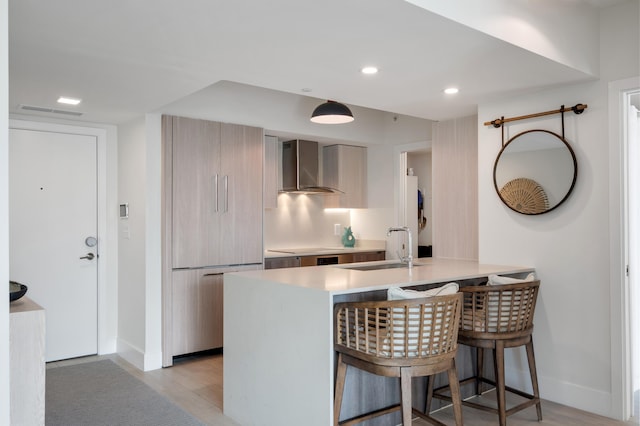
x=217, y=193
x=344, y=167
x=213, y=224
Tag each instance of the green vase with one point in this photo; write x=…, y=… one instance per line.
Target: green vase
x=348, y=240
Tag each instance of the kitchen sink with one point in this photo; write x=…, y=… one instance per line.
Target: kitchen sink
x=378, y=267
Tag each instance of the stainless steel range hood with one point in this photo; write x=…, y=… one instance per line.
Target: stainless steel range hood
x=300, y=168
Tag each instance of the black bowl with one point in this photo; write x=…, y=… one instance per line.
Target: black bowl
x=16, y=290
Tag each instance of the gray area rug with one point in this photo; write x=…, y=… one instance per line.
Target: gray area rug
x=101, y=393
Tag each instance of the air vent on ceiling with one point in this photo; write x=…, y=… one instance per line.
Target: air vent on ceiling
x=50, y=110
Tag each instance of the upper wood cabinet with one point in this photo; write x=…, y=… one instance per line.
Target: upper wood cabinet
x=271, y=174
x=216, y=193
x=195, y=160
x=345, y=168
x=240, y=230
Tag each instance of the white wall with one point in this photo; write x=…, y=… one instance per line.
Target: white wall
x=4, y=209
x=139, y=236
x=153, y=249
x=569, y=247
x=286, y=114
x=131, y=241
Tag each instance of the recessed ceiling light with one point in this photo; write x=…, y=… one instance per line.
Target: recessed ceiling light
x=369, y=70
x=68, y=101
x=451, y=90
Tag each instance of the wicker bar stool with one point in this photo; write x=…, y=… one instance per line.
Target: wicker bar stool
x=498, y=317
x=399, y=338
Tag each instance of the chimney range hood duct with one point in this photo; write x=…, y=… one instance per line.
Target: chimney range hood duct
x=300, y=168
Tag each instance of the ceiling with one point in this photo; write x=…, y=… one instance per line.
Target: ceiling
x=126, y=58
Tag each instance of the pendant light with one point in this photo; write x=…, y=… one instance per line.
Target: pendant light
x=331, y=112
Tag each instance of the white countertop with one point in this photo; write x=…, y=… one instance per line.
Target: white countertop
x=339, y=279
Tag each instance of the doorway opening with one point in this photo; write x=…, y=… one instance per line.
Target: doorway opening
x=419, y=167
x=414, y=202
x=106, y=221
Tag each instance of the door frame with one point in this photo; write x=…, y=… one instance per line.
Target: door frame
x=107, y=294
x=400, y=154
x=621, y=393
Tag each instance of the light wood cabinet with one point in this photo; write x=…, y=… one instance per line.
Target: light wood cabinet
x=195, y=195
x=212, y=223
x=282, y=262
x=240, y=232
x=216, y=193
x=345, y=168
x=197, y=310
x=369, y=256
x=336, y=258
x=271, y=175
x=26, y=355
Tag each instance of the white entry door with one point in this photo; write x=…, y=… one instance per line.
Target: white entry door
x=53, y=234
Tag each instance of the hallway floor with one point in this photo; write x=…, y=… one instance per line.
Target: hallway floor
x=195, y=384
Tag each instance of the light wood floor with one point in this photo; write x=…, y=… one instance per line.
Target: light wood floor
x=195, y=384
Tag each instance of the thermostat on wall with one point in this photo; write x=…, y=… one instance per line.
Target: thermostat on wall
x=124, y=211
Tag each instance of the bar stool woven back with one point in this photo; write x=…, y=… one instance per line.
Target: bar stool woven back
x=498, y=317
x=401, y=338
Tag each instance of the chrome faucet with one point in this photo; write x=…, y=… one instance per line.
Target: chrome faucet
x=409, y=258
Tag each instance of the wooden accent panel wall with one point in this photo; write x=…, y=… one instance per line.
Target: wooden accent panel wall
x=455, y=188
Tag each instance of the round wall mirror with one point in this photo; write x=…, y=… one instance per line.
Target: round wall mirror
x=535, y=172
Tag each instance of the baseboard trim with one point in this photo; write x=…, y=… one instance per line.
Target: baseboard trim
x=152, y=361
x=562, y=392
x=131, y=354
x=141, y=360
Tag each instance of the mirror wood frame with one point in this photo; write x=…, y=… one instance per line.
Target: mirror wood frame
x=573, y=182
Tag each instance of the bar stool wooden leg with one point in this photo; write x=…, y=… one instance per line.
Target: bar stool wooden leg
x=430, y=383
x=534, y=377
x=479, y=370
x=500, y=382
x=340, y=378
x=405, y=391
x=454, y=385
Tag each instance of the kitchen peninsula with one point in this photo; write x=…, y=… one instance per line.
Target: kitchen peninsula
x=278, y=331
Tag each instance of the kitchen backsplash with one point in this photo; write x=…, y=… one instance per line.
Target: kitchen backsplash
x=302, y=221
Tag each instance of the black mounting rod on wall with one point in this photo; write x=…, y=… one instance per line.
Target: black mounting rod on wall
x=498, y=122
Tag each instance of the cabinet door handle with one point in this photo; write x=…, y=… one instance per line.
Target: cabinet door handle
x=226, y=193
x=213, y=274
x=215, y=193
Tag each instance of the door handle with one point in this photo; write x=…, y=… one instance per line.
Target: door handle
x=226, y=193
x=215, y=192
x=89, y=256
